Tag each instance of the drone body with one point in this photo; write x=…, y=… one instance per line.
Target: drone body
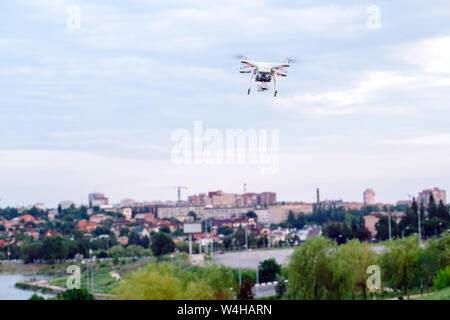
x=264, y=72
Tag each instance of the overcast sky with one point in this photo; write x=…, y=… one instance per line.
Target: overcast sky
x=94, y=108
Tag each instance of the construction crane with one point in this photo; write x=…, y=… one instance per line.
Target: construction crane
x=178, y=188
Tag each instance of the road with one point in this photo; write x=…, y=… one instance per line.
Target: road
x=250, y=259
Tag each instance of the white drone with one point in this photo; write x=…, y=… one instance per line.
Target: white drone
x=264, y=72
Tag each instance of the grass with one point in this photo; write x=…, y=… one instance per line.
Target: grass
x=443, y=294
x=33, y=268
x=103, y=281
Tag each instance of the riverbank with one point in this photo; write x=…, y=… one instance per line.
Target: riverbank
x=11, y=268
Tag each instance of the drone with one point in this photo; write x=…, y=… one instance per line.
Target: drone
x=264, y=72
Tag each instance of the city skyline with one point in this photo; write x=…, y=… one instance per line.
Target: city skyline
x=100, y=198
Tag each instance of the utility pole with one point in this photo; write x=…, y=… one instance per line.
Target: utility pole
x=239, y=258
x=389, y=223
x=420, y=234
x=246, y=237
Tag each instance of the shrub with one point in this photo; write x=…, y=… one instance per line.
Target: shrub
x=442, y=279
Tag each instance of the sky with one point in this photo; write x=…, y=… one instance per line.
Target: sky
x=93, y=106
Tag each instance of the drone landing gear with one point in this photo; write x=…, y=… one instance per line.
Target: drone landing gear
x=250, y=84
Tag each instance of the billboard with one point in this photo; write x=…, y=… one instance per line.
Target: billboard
x=192, y=228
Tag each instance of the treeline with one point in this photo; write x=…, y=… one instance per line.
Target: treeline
x=321, y=269
x=57, y=248
x=434, y=219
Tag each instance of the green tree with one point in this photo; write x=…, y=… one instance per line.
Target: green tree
x=31, y=252
x=358, y=256
x=442, y=279
x=268, y=270
x=162, y=281
x=225, y=230
x=316, y=271
x=134, y=251
x=117, y=251
x=397, y=262
x=425, y=266
x=162, y=244
x=75, y=294
x=54, y=248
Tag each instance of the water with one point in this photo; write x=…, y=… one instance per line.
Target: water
x=9, y=292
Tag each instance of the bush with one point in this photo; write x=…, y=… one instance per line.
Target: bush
x=36, y=297
x=268, y=270
x=75, y=294
x=162, y=244
x=442, y=279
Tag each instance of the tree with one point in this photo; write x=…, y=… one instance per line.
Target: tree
x=382, y=228
x=162, y=244
x=117, y=251
x=425, y=266
x=252, y=214
x=358, y=256
x=162, y=281
x=75, y=294
x=193, y=215
x=268, y=270
x=442, y=280
x=245, y=290
x=397, y=261
x=225, y=230
x=316, y=271
x=280, y=288
x=54, y=248
x=165, y=229
x=31, y=252
x=134, y=251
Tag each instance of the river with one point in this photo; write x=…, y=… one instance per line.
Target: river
x=9, y=292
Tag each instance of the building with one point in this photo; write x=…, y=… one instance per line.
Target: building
x=66, y=204
x=263, y=216
x=52, y=214
x=86, y=226
x=438, y=195
x=127, y=203
x=97, y=200
x=279, y=213
x=267, y=198
x=128, y=213
x=40, y=206
x=167, y=212
x=369, y=197
x=221, y=199
x=371, y=220
x=404, y=203
x=99, y=218
x=198, y=200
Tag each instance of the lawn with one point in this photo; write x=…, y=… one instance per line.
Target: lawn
x=443, y=294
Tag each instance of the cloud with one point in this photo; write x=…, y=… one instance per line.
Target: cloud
x=436, y=139
x=361, y=98
x=431, y=55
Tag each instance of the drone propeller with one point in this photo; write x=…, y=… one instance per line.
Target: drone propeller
x=291, y=60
